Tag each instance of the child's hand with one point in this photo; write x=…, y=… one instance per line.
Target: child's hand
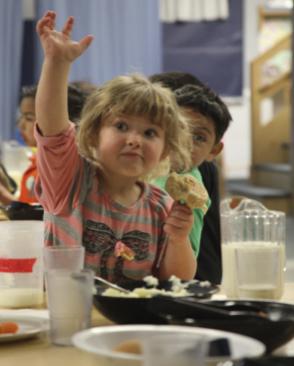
x=179, y=223
x=58, y=45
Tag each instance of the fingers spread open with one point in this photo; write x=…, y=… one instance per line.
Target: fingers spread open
x=67, y=29
x=46, y=23
x=85, y=42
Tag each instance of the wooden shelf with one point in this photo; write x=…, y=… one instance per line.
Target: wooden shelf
x=273, y=14
x=275, y=83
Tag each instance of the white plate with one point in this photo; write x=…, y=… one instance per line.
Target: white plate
x=102, y=340
x=31, y=324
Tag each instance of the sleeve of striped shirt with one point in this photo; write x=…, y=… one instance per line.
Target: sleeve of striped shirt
x=59, y=166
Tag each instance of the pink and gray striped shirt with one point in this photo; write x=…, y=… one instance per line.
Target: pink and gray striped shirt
x=78, y=211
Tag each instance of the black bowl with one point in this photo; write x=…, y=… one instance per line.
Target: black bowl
x=265, y=361
x=128, y=310
x=23, y=211
x=274, y=328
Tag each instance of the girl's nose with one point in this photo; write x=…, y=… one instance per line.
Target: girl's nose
x=134, y=139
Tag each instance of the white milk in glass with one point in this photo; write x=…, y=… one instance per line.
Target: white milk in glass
x=229, y=259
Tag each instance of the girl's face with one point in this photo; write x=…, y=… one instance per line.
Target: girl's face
x=203, y=134
x=26, y=120
x=130, y=146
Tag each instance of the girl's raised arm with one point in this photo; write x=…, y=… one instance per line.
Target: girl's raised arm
x=59, y=52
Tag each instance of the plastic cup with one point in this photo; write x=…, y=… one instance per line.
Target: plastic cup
x=64, y=257
x=174, y=350
x=70, y=296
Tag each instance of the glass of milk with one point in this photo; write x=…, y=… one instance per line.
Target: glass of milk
x=253, y=251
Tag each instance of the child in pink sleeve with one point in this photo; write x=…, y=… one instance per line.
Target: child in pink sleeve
x=92, y=184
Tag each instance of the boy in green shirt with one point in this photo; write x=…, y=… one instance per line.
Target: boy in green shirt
x=209, y=119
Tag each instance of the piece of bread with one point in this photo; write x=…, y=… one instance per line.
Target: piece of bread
x=185, y=188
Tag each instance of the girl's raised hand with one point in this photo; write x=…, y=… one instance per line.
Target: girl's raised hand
x=58, y=45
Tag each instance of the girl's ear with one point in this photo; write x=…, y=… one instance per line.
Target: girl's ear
x=217, y=148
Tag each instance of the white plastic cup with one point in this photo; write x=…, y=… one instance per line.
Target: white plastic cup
x=21, y=264
x=174, y=350
x=70, y=299
x=64, y=257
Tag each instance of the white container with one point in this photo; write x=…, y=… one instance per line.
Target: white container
x=249, y=230
x=21, y=264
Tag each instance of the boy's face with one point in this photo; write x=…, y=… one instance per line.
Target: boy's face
x=203, y=132
x=27, y=120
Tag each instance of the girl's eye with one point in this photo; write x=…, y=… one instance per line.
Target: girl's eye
x=150, y=133
x=199, y=138
x=121, y=126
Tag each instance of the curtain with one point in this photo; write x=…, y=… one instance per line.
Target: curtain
x=127, y=36
x=212, y=51
x=10, y=40
x=193, y=10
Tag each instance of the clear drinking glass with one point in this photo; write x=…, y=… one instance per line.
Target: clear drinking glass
x=64, y=257
x=70, y=297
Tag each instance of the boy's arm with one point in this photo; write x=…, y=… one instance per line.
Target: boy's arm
x=59, y=52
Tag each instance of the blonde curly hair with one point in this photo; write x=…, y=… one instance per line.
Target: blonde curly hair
x=135, y=95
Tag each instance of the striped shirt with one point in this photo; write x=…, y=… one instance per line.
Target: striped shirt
x=78, y=211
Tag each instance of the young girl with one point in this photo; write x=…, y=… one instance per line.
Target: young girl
x=93, y=191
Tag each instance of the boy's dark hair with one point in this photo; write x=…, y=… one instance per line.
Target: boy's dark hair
x=76, y=99
x=175, y=79
x=28, y=91
x=203, y=100
x=86, y=86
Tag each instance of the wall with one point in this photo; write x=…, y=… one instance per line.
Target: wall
x=236, y=155
x=237, y=151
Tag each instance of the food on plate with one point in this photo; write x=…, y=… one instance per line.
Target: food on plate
x=8, y=327
x=178, y=288
x=129, y=346
x=185, y=188
x=151, y=281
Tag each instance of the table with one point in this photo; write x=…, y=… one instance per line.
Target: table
x=39, y=351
